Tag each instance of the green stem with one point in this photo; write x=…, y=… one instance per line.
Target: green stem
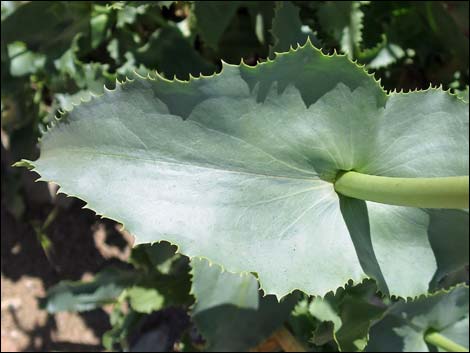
x=444, y=343
x=446, y=192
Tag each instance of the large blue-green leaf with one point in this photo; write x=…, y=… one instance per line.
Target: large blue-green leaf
x=239, y=168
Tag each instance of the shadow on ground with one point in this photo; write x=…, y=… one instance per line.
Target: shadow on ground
x=82, y=244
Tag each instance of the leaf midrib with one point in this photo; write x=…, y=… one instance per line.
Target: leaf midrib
x=204, y=127
x=124, y=156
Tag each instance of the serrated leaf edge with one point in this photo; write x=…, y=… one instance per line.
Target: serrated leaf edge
x=89, y=96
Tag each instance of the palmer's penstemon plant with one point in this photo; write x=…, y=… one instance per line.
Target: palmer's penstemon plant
x=273, y=169
x=301, y=170
x=308, y=208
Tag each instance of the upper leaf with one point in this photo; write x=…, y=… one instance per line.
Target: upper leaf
x=246, y=179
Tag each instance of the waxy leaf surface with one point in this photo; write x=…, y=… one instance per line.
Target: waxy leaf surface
x=239, y=168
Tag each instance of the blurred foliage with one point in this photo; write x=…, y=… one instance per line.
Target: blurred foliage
x=55, y=54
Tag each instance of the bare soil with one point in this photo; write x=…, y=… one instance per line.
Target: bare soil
x=82, y=244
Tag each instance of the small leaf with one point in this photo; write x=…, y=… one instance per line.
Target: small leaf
x=172, y=55
x=23, y=61
x=47, y=27
x=405, y=324
x=351, y=313
x=128, y=14
x=213, y=18
x=343, y=21
x=145, y=300
x=287, y=29
x=82, y=296
x=123, y=326
x=213, y=287
x=154, y=257
x=24, y=163
x=381, y=56
x=229, y=310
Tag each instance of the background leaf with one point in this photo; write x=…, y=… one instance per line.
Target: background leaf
x=405, y=324
x=83, y=296
x=287, y=29
x=227, y=312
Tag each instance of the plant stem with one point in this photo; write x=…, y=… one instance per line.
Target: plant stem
x=442, y=342
x=446, y=192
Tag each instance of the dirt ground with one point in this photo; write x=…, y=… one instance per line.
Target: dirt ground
x=82, y=244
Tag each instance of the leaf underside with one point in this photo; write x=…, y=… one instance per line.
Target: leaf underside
x=238, y=168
